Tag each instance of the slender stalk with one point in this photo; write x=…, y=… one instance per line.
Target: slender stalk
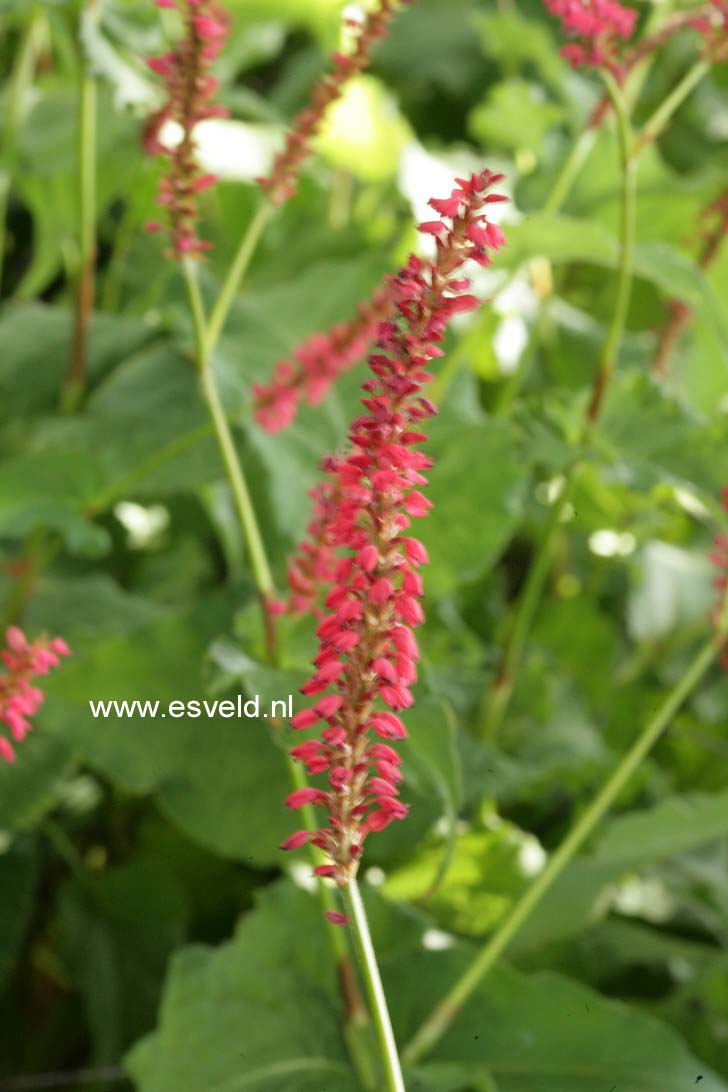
x=499, y=696
x=239, y=486
x=374, y=988
x=86, y=283
x=231, y=285
x=580, y=152
x=625, y=271
x=442, y=1016
x=20, y=81
x=659, y=119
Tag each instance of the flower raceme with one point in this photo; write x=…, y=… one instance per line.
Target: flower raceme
x=190, y=90
x=19, y=700
x=368, y=653
x=317, y=363
x=280, y=184
x=598, y=28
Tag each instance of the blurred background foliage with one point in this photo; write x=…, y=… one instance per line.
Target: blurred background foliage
x=150, y=932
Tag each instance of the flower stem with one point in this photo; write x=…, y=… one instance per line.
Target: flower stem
x=580, y=152
x=241, y=261
x=442, y=1016
x=86, y=283
x=659, y=119
x=20, y=81
x=374, y=988
x=241, y=494
x=499, y=696
x=625, y=271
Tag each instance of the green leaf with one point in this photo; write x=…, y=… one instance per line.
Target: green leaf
x=633, y=841
x=513, y=115
x=432, y=749
x=50, y=490
x=544, y=1033
x=27, y=788
x=260, y=1012
x=18, y=875
x=36, y=339
x=477, y=487
x=221, y=779
x=510, y=37
x=651, y=438
x=115, y=935
x=674, y=825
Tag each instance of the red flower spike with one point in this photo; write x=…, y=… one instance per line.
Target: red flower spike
x=316, y=365
x=24, y=660
x=281, y=183
x=367, y=654
x=190, y=90
x=599, y=29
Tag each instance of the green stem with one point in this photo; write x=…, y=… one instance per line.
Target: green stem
x=19, y=84
x=239, y=486
x=625, y=271
x=499, y=697
x=659, y=119
x=568, y=174
x=374, y=988
x=442, y=1016
x=86, y=283
x=237, y=271
x=241, y=494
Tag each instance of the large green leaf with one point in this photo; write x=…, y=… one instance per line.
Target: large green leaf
x=477, y=487
x=18, y=875
x=634, y=841
x=221, y=779
x=115, y=933
x=544, y=1033
x=261, y=1012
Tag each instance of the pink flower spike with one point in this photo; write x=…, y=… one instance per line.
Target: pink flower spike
x=357, y=559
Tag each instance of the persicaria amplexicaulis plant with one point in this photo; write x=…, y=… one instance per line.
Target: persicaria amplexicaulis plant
x=24, y=661
x=368, y=654
x=190, y=93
